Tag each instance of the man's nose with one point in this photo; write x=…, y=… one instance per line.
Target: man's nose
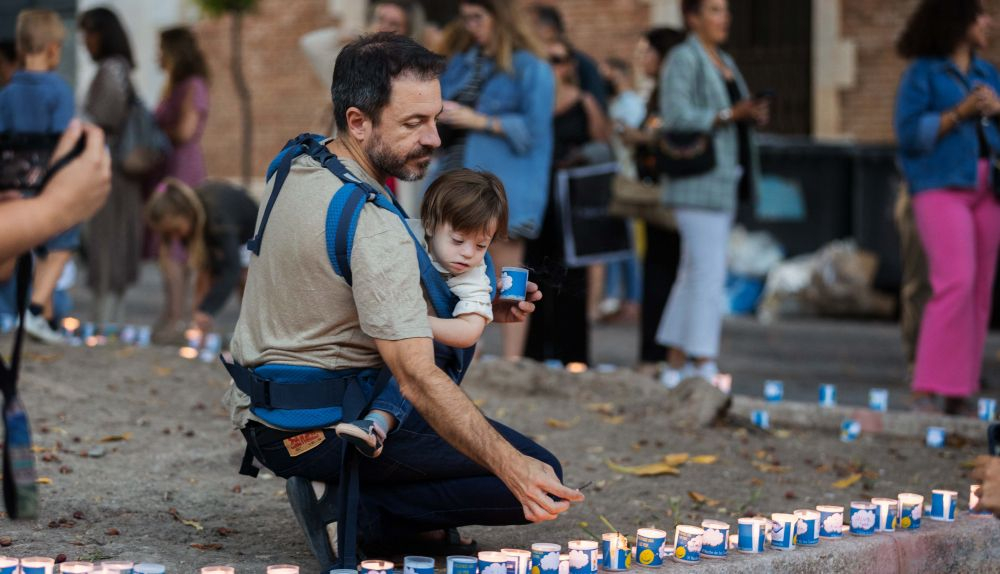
x=429, y=137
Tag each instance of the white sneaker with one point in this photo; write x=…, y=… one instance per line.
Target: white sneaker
x=40, y=330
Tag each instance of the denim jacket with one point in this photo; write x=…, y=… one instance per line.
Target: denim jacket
x=523, y=102
x=929, y=88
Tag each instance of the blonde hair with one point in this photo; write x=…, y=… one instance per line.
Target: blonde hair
x=510, y=34
x=36, y=30
x=174, y=198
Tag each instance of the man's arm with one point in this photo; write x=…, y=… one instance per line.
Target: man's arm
x=449, y=411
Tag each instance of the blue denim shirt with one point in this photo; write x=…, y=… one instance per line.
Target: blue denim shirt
x=523, y=101
x=40, y=102
x=929, y=88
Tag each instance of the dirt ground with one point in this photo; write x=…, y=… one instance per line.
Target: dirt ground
x=170, y=483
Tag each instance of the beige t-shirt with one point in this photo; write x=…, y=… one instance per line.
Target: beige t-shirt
x=297, y=311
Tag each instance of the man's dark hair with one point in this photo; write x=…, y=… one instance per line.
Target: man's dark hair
x=365, y=69
x=8, y=51
x=550, y=16
x=112, y=39
x=937, y=27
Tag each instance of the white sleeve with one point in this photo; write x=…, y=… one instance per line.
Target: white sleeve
x=473, y=291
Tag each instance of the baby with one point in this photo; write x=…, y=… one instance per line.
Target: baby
x=462, y=212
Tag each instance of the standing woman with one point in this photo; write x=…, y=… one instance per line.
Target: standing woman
x=182, y=115
x=113, y=236
x=499, y=95
x=559, y=329
x=946, y=111
x=701, y=90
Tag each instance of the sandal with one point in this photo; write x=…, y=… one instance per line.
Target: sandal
x=313, y=516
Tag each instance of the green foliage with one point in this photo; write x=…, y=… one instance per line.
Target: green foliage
x=220, y=7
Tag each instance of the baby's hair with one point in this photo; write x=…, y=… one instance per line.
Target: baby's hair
x=36, y=30
x=174, y=198
x=468, y=200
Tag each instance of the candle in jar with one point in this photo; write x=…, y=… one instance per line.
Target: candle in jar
x=8, y=565
x=76, y=568
x=377, y=567
x=520, y=560
x=218, y=570
x=118, y=566
x=37, y=565
x=149, y=568
x=283, y=569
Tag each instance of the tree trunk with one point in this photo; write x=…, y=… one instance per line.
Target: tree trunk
x=243, y=93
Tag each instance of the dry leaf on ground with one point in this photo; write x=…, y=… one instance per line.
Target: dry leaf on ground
x=607, y=409
x=561, y=424
x=676, y=459
x=116, y=437
x=770, y=468
x=655, y=469
x=43, y=480
x=200, y=546
x=847, y=482
x=704, y=459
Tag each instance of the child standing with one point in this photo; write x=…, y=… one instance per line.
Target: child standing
x=462, y=213
x=37, y=100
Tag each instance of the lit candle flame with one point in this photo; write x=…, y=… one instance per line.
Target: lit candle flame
x=188, y=352
x=71, y=324
x=577, y=367
x=92, y=341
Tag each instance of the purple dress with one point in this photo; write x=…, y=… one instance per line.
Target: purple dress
x=187, y=162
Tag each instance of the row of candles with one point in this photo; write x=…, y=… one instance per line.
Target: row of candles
x=41, y=565
x=712, y=539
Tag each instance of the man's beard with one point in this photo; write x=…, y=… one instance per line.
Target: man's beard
x=384, y=160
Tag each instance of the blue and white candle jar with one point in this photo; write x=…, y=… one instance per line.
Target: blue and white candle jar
x=37, y=565
x=518, y=561
x=128, y=335
x=687, y=544
x=850, y=430
x=943, y=504
x=783, y=531
x=583, y=556
x=377, y=567
x=544, y=558
x=911, y=508
x=496, y=563
x=462, y=564
x=774, y=391
x=715, y=540
x=615, y=553
x=807, y=528
x=831, y=522
x=418, y=565
x=885, y=514
x=118, y=567
x=8, y=565
x=863, y=518
x=760, y=419
x=828, y=395
x=77, y=567
x=151, y=568
x=878, y=400
x=513, y=283
x=649, y=547
x=144, y=338
x=987, y=409
x=752, y=533
x=936, y=437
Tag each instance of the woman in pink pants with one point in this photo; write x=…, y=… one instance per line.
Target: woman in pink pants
x=946, y=124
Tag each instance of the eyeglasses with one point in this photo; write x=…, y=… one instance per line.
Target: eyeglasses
x=556, y=60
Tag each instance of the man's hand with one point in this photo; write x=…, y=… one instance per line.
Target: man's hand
x=505, y=311
x=534, y=483
x=82, y=186
x=987, y=473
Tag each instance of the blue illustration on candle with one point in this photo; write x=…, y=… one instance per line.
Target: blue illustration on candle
x=831, y=521
x=714, y=541
x=862, y=521
x=462, y=565
x=513, y=283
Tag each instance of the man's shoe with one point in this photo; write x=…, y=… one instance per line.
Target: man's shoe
x=317, y=517
x=364, y=434
x=40, y=330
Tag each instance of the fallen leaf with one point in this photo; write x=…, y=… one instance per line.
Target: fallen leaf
x=704, y=459
x=116, y=437
x=676, y=459
x=199, y=546
x=237, y=489
x=41, y=357
x=607, y=409
x=193, y=524
x=561, y=424
x=783, y=433
x=162, y=371
x=36, y=449
x=770, y=468
x=112, y=532
x=43, y=480
x=614, y=420
x=790, y=495
x=479, y=402
x=655, y=469
x=5, y=541
x=60, y=558
x=223, y=531
x=971, y=463
x=78, y=515
x=847, y=482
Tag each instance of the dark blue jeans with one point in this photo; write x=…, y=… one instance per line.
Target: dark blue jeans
x=419, y=483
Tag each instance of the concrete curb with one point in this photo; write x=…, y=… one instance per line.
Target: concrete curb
x=966, y=545
x=894, y=423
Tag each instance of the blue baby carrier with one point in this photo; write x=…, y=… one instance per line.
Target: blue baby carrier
x=310, y=404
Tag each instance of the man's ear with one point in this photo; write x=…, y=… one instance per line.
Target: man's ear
x=358, y=124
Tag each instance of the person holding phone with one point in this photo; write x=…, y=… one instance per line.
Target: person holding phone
x=701, y=90
x=946, y=126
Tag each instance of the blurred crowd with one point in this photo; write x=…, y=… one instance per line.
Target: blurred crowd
x=522, y=101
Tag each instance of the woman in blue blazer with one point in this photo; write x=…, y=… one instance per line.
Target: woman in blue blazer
x=499, y=94
x=946, y=112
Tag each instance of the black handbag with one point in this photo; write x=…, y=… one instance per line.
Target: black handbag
x=685, y=154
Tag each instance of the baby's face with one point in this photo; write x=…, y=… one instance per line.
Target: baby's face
x=459, y=251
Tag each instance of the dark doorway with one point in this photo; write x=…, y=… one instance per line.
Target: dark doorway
x=771, y=41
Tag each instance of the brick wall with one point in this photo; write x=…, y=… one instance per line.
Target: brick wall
x=867, y=109
x=605, y=28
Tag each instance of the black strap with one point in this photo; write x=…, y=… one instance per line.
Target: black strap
x=9, y=373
